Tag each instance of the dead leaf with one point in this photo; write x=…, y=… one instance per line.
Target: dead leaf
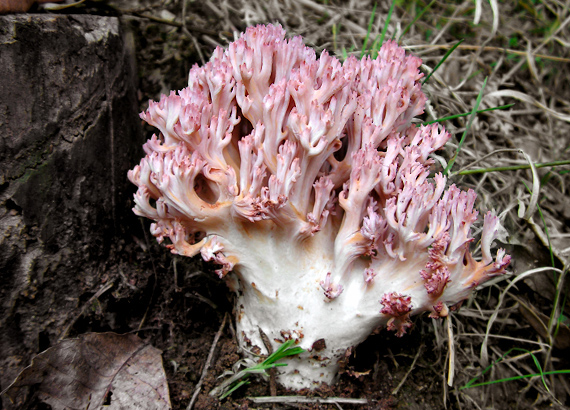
x=118, y=371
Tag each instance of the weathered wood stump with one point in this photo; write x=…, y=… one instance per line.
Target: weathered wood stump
x=69, y=131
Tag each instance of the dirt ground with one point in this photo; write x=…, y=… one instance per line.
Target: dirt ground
x=178, y=304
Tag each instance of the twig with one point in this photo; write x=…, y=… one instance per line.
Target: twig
x=312, y=5
x=303, y=399
x=88, y=303
x=485, y=48
x=395, y=391
x=187, y=32
x=272, y=374
x=203, y=299
x=515, y=339
x=484, y=352
x=154, y=275
x=451, y=372
x=208, y=362
x=168, y=22
x=196, y=45
x=58, y=7
x=544, y=239
x=174, y=268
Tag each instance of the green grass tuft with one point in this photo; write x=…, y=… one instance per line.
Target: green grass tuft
x=241, y=378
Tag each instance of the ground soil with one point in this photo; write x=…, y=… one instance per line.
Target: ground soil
x=185, y=316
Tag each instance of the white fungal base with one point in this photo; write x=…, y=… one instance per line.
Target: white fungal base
x=282, y=297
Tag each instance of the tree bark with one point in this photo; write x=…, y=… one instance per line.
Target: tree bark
x=69, y=131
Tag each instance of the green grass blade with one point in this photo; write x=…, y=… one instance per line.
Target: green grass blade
x=515, y=168
x=277, y=354
x=419, y=16
x=375, y=48
x=561, y=318
x=451, y=50
x=544, y=180
x=465, y=114
x=523, y=376
x=283, y=351
x=539, y=367
x=471, y=118
x=294, y=351
x=234, y=388
x=234, y=382
x=334, y=33
x=388, y=18
x=471, y=383
x=272, y=365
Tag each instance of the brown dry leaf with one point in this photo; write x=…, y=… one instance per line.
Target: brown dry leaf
x=118, y=371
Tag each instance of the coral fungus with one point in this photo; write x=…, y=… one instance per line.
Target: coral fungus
x=306, y=182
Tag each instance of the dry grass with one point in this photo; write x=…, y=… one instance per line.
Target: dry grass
x=523, y=49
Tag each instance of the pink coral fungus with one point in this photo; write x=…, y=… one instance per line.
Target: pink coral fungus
x=306, y=182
